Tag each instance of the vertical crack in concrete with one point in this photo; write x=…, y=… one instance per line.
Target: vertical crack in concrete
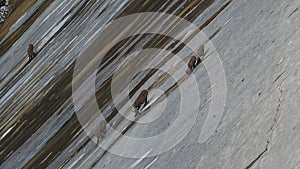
x=272, y=129
x=277, y=115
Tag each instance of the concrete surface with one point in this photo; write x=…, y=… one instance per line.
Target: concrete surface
x=260, y=125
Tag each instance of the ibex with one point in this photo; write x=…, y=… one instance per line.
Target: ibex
x=141, y=99
x=30, y=52
x=195, y=61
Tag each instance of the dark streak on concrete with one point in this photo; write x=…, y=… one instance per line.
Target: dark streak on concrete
x=293, y=12
x=257, y=158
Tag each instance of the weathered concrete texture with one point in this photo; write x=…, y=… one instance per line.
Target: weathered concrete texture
x=259, y=51
x=260, y=48
x=260, y=127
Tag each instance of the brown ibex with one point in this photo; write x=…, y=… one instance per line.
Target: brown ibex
x=141, y=99
x=99, y=130
x=30, y=52
x=195, y=61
